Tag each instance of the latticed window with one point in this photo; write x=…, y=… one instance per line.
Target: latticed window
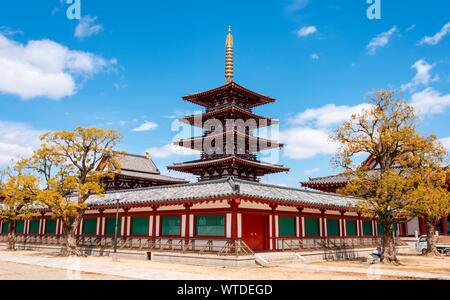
x=50, y=227
x=34, y=227
x=20, y=226
x=210, y=226
x=350, y=226
x=286, y=226
x=171, y=225
x=367, y=228
x=380, y=229
x=312, y=227
x=5, y=227
x=139, y=226
x=111, y=226
x=332, y=227
x=90, y=226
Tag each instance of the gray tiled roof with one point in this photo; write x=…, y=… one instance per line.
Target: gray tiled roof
x=333, y=179
x=149, y=176
x=337, y=179
x=222, y=188
x=138, y=163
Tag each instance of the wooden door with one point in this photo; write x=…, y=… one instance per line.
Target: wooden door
x=253, y=231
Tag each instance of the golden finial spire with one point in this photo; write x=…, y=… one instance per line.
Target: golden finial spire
x=229, y=57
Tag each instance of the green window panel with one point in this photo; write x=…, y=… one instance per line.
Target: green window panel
x=367, y=228
x=350, y=226
x=448, y=227
x=34, y=227
x=170, y=225
x=5, y=227
x=111, y=226
x=210, y=226
x=90, y=226
x=380, y=229
x=50, y=227
x=139, y=226
x=332, y=227
x=286, y=226
x=395, y=227
x=312, y=227
x=20, y=226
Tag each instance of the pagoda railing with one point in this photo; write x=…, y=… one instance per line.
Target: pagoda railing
x=205, y=156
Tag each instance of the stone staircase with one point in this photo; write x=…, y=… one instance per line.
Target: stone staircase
x=272, y=259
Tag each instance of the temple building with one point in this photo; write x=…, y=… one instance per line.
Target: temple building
x=228, y=210
x=333, y=183
x=136, y=171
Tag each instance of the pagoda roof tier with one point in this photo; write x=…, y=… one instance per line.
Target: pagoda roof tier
x=230, y=111
x=231, y=92
x=197, y=143
x=199, y=166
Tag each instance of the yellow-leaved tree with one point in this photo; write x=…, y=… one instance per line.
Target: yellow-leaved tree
x=387, y=131
x=67, y=161
x=430, y=196
x=18, y=193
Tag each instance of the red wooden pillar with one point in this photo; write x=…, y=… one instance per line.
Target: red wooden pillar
x=187, y=224
x=154, y=213
x=42, y=224
x=234, y=204
x=273, y=240
x=359, y=227
x=444, y=226
x=100, y=226
x=422, y=228
x=323, y=232
x=300, y=223
x=342, y=231
x=125, y=225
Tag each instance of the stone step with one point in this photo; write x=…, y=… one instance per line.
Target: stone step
x=277, y=258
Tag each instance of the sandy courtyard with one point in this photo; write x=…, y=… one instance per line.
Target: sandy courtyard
x=37, y=265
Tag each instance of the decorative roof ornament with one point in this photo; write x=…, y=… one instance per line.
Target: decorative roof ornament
x=229, y=68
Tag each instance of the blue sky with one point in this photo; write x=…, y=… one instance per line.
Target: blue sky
x=126, y=64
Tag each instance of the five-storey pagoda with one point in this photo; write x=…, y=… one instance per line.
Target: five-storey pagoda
x=228, y=145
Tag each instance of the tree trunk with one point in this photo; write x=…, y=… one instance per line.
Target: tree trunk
x=12, y=236
x=431, y=238
x=388, y=249
x=70, y=226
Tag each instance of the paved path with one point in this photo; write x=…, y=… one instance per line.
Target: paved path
x=372, y=271
x=108, y=267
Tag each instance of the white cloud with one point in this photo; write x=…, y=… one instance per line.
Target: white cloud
x=446, y=143
x=7, y=31
x=410, y=28
x=430, y=102
x=17, y=140
x=146, y=126
x=296, y=5
x=87, y=27
x=307, y=30
x=304, y=143
x=314, y=56
x=170, y=150
x=380, y=40
x=44, y=68
x=435, y=39
x=423, y=75
x=328, y=115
